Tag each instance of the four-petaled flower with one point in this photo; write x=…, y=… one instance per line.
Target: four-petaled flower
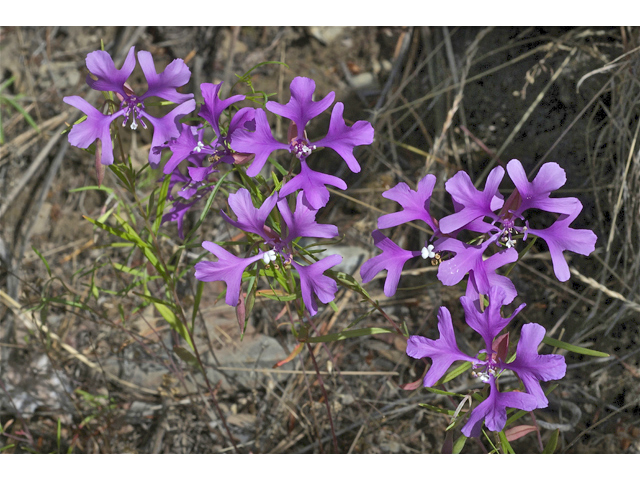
x=109, y=79
x=490, y=362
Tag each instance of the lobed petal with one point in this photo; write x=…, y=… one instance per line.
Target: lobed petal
x=213, y=106
x=560, y=237
x=313, y=281
x=261, y=143
x=475, y=204
x=228, y=269
x=392, y=259
x=442, y=352
x=343, y=139
x=532, y=367
x=96, y=126
x=301, y=108
x=415, y=204
x=165, y=84
x=109, y=78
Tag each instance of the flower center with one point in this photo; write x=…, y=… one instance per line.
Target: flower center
x=487, y=368
x=133, y=110
x=301, y=148
x=509, y=228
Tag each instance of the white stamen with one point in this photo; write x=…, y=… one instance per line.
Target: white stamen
x=428, y=252
x=198, y=147
x=268, y=257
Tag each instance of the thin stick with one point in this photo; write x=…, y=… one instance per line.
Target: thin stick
x=326, y=398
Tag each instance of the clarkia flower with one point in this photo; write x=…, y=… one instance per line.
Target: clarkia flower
x=506, y=217
x=280, y=247
x=300, y=110
x=530, y=367
x=132, y=107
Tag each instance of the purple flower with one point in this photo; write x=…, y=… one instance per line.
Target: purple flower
x=313, y=280
x=391, y=259
x=301, y=223
x=473, y=206
x=228, y=268
x=415, y=204
x=109, y=78
x=529, y=366
x=300, y=110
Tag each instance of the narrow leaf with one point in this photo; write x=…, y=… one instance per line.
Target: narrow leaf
x=553, y=443
x=572, y=348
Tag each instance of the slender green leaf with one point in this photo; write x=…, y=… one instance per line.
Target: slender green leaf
x=46, y=264
x=186, y=355
x=459, y=370
x=437, y=409
x=506, y=446
x=162, y=201
x=552, y=443
x=23, y=112
x=173, y=321
x=442, y=392
x=459, y=444
x=360, y=332
x=572, y=348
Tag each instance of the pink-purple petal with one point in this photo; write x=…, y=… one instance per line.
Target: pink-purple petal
x=165, y=84
x=228, y=269
x=313, y=281
x=343, y=139
x=312, y=183
x=301, y=108
x=415, y=204
x=392, y=259
x=442, y=352
x=109, y=78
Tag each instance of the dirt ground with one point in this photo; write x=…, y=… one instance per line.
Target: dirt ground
x=441, y=100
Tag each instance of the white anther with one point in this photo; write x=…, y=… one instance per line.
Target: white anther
x=268, y=257
x=428, y=252
x=198, y=147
